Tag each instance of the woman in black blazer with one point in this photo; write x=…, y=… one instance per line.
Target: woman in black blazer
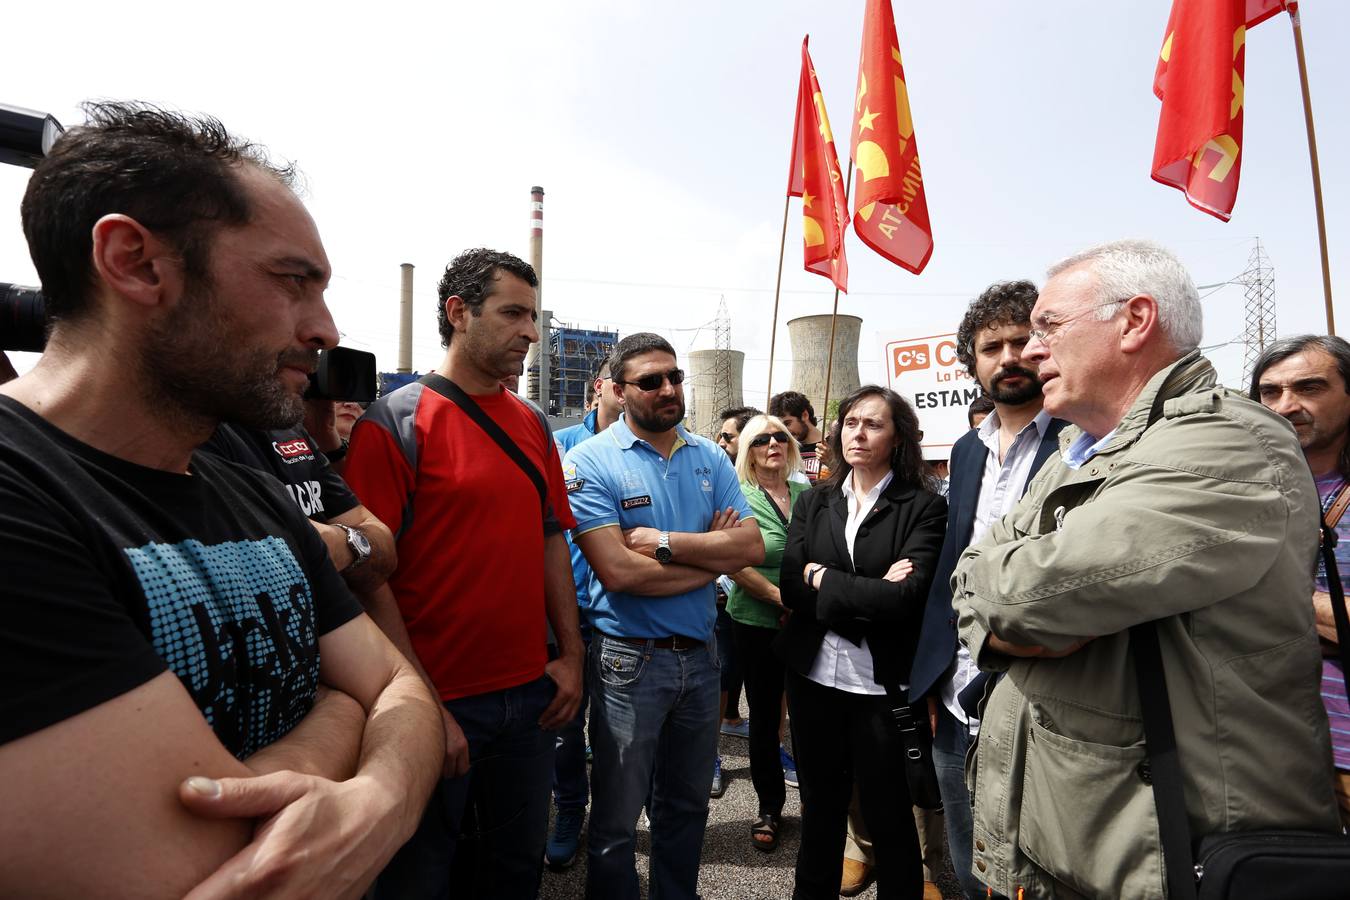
x=860, y=555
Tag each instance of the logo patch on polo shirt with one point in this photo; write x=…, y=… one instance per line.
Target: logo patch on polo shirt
x=635, y=502
x=575, y=485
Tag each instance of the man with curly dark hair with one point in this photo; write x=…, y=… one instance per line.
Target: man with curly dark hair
x=990, y=468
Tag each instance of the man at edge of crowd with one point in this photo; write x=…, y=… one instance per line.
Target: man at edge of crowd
x=1176, y=502
x=660, y=515
x=181, y=665
x=1306, y=380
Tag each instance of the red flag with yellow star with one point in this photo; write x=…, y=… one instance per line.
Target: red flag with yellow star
x=813, y=175
x=1199, y=81
x=890, y=212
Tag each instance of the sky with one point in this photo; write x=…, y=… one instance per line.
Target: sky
x=661, y=132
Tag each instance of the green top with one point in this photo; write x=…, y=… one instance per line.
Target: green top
x=743, y=606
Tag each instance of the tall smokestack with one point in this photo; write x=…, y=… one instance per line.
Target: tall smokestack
x=537, y=260
x=405, y=319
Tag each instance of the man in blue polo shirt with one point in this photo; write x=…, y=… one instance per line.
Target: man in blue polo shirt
x=659, y=516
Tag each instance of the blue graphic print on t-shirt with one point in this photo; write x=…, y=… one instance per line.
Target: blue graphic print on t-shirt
x=235, y=622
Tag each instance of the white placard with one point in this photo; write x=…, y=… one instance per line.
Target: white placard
x=926, y=372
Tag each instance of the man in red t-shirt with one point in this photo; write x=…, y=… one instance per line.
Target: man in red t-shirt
x=483, y=563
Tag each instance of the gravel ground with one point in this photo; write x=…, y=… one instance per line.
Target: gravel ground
x=732, y=869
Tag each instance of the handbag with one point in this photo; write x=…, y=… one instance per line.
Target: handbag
x=1252, y=865
x=916, y=741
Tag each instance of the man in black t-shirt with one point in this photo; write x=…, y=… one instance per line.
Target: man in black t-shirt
x=799, y=417
x=181, y=666
x=361, y=546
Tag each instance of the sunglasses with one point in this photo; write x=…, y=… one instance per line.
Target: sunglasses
x=763, y=440
x=727, y=438
x=654, y=381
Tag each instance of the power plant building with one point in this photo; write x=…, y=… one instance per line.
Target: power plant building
x=573, y=355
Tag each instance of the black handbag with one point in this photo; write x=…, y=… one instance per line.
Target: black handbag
x=1252, y=865
x=916, y=741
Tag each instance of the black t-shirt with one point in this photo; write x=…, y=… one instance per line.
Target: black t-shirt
x=113, y=572
x=290, y=455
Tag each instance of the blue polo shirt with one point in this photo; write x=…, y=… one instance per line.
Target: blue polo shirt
x=618, y=479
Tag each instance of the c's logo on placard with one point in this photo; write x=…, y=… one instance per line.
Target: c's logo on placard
x=910, y=357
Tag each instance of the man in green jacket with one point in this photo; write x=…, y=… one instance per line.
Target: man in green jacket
x=1205, y=520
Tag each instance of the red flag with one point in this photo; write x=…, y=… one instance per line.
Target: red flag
x=890, y=213
x=813, y=175
x=1199, y=81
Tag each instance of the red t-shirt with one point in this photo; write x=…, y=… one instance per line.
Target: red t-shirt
x=470, y=530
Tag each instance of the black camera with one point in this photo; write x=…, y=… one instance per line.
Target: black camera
x=23, y=322
x=344, y=374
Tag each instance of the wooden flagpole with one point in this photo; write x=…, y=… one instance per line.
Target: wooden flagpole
x=777, y=290
x=834, y=315
x=1316, y=170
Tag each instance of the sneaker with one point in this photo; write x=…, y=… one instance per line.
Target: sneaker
x=718, y=785
x=561, y=850
x=789, y=767
x=739, y=729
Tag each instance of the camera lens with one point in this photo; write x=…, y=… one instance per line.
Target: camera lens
x=23, y=320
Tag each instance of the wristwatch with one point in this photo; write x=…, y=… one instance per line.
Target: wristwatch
x=359, y=544
x=662, y=553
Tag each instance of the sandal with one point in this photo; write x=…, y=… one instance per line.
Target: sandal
x=765, y=826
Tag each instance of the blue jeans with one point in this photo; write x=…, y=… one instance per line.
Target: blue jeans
x=484, y=832
x=950, y=744
x=653, y=729
x=571, y=788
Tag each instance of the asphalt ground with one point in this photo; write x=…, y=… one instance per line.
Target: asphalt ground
x=732, y=869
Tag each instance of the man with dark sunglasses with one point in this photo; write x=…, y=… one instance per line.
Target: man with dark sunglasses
x=733, y=420
x=659, y=516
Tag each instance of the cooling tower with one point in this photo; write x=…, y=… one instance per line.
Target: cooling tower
x=708, y=391
x=810, y=350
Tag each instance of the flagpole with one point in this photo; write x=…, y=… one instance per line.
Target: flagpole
x=834, y=315
x=1316, y=170
x=777, y=289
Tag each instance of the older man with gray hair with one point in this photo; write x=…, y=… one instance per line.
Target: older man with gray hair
x=1178, y=502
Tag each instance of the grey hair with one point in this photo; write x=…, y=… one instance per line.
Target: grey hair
x=1130, y=267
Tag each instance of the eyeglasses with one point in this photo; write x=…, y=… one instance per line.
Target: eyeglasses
x=763, y=440
x=728, y=438
x=654, y=381
x=1045, y=329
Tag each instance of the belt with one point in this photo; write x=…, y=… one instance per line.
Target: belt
x=674, y=642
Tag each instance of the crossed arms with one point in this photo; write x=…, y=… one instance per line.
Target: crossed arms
x=140, y=792
x=625, y=562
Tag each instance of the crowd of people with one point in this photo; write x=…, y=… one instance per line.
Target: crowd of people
x=324, y=650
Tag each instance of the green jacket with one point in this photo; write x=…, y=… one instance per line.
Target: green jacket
x=743, y=606
x=1208, y=521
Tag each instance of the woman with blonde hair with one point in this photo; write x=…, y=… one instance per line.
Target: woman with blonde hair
x=768, y=456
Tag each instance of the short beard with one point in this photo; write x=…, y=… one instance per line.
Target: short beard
x=192, y=373
x=654, y=422
x=1015, y=396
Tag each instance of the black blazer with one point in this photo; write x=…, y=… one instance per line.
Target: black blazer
x=855, y=601
x=937, y=644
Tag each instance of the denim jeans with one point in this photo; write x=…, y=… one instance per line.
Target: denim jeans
x=653, y=728
x=571, y=787
x=484, y=832
x=950, y=744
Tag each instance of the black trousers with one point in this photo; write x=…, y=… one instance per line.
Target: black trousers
x=841, y=736
x=763, y=673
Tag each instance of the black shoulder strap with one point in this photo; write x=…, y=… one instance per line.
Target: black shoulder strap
x=1160, y=743
x=451, y=391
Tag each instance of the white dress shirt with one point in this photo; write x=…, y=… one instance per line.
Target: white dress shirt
x=1001, y=487
x=839, y=662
